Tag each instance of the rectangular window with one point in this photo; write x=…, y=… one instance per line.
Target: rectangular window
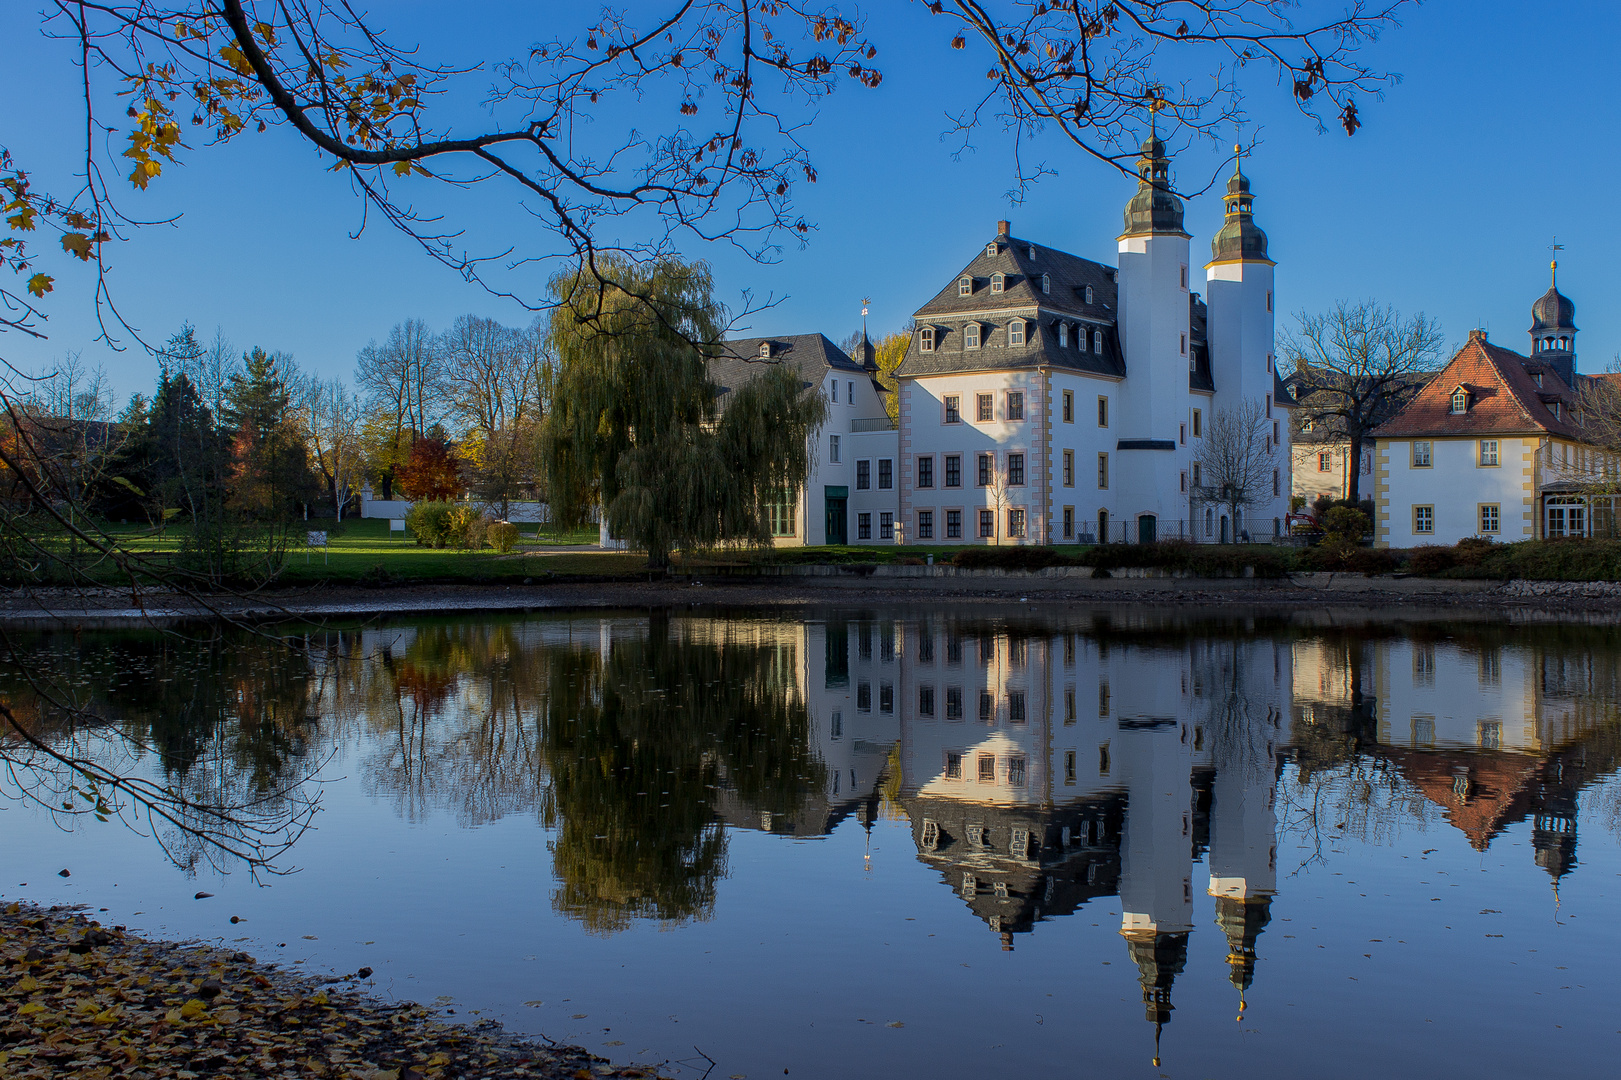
x=886, y=474
x=1422, y=454
x=1103, y=699
x=886, y=526
x=1103, y=760
x=1103, y=411
x=850, y=392
x=985, y=408
x=1184, y=277
x=863, y=475
x=835, y=725
x=1069, y=766
x=1276, y=484
x=1069, y=522
x=1103, y=471
x=1069, y=703
x=1015, y=521
x=833, y=449
x=953, y=703
x=986, y=464
x=1198, y=430
x=863, y=526
x=1069, y=407
x=987, y=706
x=1182, y=434
x=925, y=472
x=1184, y=482
x=1423, y=519
x=1015, y=706
x=1196, y=476
x=835, y=391
x=1489, y=518
x=1184, y=338
x=886, y=698
x=925, y=648
x=987, y=524
x=1015, y=776
x=1015, y=470
x=953, y=407
x=1490, y=734
x=953, y=524
x=1325, y=461
x=1488, y=452
x=953, y=766
x=782, y=510
x=925, y=701
x=864, y=697
x=1015, y=404
x=987, y=769
x=953, y=470
x=970, y=335
x=925, y=524
x=1069, y=468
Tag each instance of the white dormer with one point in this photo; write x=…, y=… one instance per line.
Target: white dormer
x=970, y=335
x=1063, y=335
x=1032, y=252
x=1097, y=342
x=998, y=282
x=765, y=350
x=925, y=339
x=1046, y=283
x=1460, y=400
x=1089, y=294
x=990, y=248
x=965, y=286
x=1015, y=332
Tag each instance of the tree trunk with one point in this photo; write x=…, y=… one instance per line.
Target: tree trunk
x=1353, y=472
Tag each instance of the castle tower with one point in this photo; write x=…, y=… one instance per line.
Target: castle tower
x=1553, y=328
x=1156, y=337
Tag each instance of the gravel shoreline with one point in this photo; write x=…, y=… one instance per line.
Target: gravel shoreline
x=90, y=1001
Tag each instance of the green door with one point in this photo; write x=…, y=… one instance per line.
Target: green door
x=1147, y=529
x=837, y=505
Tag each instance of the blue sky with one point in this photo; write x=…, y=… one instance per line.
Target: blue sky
x=1497, y=138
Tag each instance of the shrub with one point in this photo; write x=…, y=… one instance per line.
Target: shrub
x=1010, y=558
x=466, y=527
x=429, y=522
x=1473, y=550
x=1431, y=559
x=1371, y=561
x=1344, y=522
x=502, y=536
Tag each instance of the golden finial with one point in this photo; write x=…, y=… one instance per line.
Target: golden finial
x=1553, y=267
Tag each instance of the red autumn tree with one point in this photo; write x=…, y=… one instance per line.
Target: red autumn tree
x=430, y=472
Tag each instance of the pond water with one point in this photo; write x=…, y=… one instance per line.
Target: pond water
x=976, y=841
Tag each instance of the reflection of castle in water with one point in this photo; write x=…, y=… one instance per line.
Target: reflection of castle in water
x=1043, y=770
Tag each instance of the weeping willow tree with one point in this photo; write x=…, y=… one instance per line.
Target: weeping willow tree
x=637, y=426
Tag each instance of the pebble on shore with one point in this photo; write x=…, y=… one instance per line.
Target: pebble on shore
x=83, y=1000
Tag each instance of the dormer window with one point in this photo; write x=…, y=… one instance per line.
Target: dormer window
x=1553, y=407
x=1097, y=342
x=925, y=339
x=970, y=335
x=1538, y=378
x=990, y=248
x=1089, y=294
x=998, y=281
x=1063, y=335
x=765, y=350
x=965, y=286
x=1032, y=252
x=1046, y=283
x=1460, y=401
x=1015, y=332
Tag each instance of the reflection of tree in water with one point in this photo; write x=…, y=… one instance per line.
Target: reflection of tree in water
x=224, y=716
x=638, y=742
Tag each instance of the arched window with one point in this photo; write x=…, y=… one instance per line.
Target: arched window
x=1015, y=332
x=1063, y=335
x=970, y=335
x=1460, y=400
x=1097, y=342
x=997, y=282
x=1046, y=283
x=925, y=339
x=1089, y=294
x=965, y=285
x=990, y=248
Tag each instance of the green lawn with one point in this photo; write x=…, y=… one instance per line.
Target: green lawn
x=363, y=550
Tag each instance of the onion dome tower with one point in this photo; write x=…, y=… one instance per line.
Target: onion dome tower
x=1242, y=919
x=1553, y=328
x=1240, y=238
x=1160, y=958
x=1154, y=209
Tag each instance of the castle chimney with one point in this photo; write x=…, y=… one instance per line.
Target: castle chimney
x=1003, y=228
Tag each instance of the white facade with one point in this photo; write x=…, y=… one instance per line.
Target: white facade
x=1455, y=495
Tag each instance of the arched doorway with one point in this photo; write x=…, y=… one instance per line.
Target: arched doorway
x=1226, y=533
x=1147, y=528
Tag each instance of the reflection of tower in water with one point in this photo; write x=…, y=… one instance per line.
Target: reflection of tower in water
x=1160, y=958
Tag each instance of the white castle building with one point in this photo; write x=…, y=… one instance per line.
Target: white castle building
x=1047, y=398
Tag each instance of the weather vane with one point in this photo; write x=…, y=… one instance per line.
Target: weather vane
x=1553, y=266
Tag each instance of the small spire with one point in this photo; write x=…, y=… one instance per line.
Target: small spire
x=1553, y=266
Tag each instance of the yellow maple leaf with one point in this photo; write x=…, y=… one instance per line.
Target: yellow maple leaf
x=77, y=243
x=192, y=1009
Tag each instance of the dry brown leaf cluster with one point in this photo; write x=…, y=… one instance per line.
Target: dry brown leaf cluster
x=83, y=1000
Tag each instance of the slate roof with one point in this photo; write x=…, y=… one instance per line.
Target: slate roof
x=1504, y=398
x=811, y=355
x=1069, y=275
